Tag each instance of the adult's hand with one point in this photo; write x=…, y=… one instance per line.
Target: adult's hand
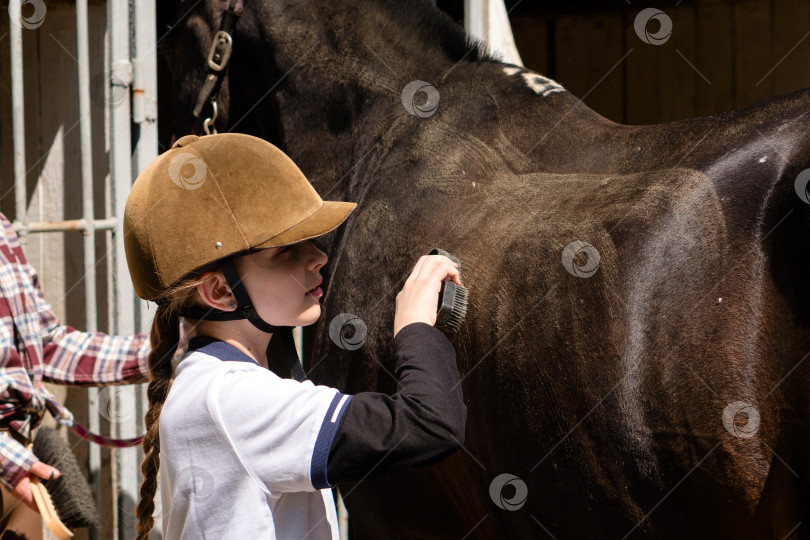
x=23, y=489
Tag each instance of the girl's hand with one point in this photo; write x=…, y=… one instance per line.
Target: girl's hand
x=418, y=301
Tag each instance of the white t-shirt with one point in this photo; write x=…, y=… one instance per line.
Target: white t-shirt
x=243, y=452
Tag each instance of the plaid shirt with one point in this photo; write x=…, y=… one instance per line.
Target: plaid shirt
x=34, y=348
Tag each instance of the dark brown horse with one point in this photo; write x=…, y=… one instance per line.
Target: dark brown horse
x=634, y=350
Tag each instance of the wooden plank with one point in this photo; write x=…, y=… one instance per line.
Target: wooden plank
x=604, y=65
x=531, y=39
x=714, y=57
x=752, y=44
x=588, y=48
x=6, y=151
x=53, y=159
x=570, y=51
x=642, y=93
x=790, y=47
x=678, y=74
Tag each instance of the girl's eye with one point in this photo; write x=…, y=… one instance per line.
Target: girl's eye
x=280, y=252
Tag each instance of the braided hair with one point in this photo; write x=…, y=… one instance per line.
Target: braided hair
x=164, y=339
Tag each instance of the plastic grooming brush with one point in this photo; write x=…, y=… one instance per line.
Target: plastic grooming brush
x=452, y=299
x=65, y=502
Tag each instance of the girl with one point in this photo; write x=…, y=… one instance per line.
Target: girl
x=218, y=230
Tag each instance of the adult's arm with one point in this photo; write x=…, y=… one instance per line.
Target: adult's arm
x=85, y=358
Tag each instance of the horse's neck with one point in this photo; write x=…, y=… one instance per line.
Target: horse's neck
x=340, y=69
x=393, y=40
x=341, y=76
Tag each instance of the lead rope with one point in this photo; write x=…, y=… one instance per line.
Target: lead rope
x=53, y=407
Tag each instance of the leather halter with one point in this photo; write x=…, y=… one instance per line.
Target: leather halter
x=218, y=57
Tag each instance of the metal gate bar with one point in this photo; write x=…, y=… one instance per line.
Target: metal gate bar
x=123, y=168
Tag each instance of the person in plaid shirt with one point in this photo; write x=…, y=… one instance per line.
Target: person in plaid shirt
x=35, y=347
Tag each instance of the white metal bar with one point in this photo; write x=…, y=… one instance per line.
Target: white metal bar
x=144, y=104
x=144, y=109
x=64, y=226
x=86, y=152
x=18, y=116
x=88, y=213
x=119, y=90
x=488, y=20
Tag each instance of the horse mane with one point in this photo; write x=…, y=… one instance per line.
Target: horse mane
x=436, y=25
x=433, y=25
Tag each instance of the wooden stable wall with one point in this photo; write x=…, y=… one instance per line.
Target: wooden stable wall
x=722, y=54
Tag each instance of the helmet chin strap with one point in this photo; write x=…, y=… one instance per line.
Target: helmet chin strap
x=246, y=310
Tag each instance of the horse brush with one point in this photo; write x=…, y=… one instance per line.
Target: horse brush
x=452, y=299
x=65, y=502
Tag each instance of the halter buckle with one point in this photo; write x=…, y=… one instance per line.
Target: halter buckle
x=220, y=51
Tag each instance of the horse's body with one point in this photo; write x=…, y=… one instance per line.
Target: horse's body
x=604, y=394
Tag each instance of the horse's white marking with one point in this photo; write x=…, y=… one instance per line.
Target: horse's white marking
x=540, y=85
x=763, y=159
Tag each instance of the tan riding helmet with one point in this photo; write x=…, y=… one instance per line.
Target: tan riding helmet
x=213, y=196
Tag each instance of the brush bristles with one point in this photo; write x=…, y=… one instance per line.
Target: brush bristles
x=70, y=492
x=459, y=310
x=451, y=321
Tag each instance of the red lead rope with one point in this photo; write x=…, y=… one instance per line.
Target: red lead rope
x=109, y=442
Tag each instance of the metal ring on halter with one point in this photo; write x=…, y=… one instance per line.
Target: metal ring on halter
x=208, y=121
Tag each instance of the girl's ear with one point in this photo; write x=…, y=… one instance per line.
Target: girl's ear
x=214, y=291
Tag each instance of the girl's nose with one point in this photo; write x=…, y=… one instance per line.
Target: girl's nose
x=319, y=257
